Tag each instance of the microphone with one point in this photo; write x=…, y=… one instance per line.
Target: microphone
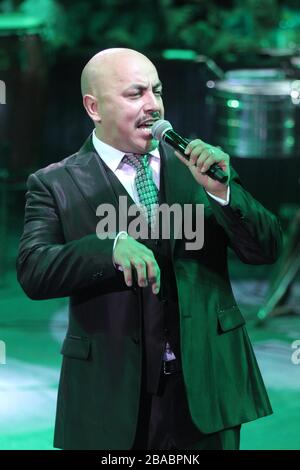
x=163, y=130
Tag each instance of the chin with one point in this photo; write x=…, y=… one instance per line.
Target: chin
x=150, y=145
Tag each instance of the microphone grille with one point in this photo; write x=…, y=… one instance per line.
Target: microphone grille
x=159, y=128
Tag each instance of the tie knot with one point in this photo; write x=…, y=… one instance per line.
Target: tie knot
x=146, y=189
x=136, y=160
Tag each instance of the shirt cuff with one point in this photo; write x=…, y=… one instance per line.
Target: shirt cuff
x=223, y=202
x=121, y=234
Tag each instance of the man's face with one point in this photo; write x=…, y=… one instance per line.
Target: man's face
x=128, y=94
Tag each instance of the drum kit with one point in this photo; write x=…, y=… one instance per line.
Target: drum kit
x=255, y=112
x=23, y=72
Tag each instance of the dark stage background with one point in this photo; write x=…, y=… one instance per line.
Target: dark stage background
x=231, y=76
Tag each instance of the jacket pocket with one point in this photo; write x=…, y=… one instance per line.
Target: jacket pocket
x=76, y=347
x=230, y=318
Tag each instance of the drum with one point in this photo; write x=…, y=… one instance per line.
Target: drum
x=23, y=71
x=255, y=114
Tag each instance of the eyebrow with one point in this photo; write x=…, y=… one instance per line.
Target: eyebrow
x=138, y=86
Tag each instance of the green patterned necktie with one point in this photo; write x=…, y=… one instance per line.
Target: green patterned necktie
x=145, y=186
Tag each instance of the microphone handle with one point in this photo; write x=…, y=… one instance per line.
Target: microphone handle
x=179, y=143
x=176, y=141
x=216, y=173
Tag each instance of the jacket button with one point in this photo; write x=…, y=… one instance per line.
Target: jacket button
x=239, y=214
x=97, y=275
x=135, y=340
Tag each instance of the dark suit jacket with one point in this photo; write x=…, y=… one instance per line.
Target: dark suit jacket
x=60, y=255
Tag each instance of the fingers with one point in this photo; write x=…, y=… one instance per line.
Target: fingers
x=201, y=155
x=195, y=149
x=141, y=271
x=154, y=275
x=147, y=270
x=127, y=274
x=137, y=261
x=183, y=159
x=207, y=159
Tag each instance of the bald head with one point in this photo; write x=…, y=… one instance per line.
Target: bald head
x=105, y=65
x=122, y=95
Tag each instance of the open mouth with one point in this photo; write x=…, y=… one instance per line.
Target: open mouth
x=146, y=126
x=145, y=129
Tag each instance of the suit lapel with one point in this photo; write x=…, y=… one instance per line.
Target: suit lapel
x=89, y=174
x=174, y=174
x=94, y=179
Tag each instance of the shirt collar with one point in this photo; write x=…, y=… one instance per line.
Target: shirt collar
x=112, y=156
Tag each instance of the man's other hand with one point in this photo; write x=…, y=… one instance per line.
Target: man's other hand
x=131, y=255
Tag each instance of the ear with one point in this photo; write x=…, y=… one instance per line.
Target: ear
x=90, y=103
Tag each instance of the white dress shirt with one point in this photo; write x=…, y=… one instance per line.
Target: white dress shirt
x=126, y=173
x=123, y=171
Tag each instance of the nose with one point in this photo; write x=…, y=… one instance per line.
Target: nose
x=152, y=103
